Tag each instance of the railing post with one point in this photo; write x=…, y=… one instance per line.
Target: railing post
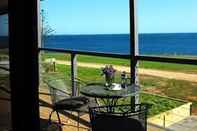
x=74, y=73
x=190, y=113
x=164, y=121
x=134, y=50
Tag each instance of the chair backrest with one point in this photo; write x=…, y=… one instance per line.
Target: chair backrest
x=56, y=92
x=103, y=122
x=124, y=118
x=58, y=88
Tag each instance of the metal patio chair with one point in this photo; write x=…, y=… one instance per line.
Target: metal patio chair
x=62, y=100
x=124, y=118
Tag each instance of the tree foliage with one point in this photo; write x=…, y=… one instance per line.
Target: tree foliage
x=46, y=29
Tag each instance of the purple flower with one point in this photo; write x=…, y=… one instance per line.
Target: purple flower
x=109, y=73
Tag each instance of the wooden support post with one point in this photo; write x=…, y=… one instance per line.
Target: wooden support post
x=23, y=52
x=133, y=48
x=74, y=73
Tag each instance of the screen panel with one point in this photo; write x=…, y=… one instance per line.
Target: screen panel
x=167, y=28
x=4, y=31
x=91, y=25
x=174, y=82
x=5, y=102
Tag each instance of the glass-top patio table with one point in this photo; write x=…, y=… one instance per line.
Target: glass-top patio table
x=109, y=97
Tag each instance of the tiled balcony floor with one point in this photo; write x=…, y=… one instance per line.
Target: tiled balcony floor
x=70, y=123
x=68, y=120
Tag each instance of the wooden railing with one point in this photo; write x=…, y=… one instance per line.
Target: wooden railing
x=74, y=61
x=122, y=56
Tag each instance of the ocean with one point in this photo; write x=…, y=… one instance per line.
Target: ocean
x=149, y=44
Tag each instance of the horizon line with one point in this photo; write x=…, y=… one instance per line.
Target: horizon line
x=129, y=33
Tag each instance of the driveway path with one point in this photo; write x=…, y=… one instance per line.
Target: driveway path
x=152, y=72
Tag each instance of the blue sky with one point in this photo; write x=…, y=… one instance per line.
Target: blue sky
x=112, y=16
x=87, y=16
x=167, y=16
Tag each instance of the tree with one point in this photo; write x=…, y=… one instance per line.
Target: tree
x=46, y=29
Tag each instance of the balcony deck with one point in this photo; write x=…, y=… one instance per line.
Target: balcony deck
x=70, y=121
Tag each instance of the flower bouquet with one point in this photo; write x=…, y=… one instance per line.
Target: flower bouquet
x=109, y=73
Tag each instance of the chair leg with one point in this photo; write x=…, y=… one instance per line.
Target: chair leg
x=59, y=121
x=49, y=122
x=78, y=120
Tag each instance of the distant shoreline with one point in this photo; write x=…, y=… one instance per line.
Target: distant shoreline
x=125, y=33
x=158, y=44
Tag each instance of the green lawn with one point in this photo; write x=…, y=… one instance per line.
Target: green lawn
x=167, y=87
x=170, y=87
x=160, y=104
x=169, y=67
x=123, y=62
x=88, y=59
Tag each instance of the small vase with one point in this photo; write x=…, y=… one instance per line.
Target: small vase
x=108, y=82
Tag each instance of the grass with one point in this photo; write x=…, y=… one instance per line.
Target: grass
x=88, y=59
x=123, y=62
x=178, y=89
x=169, y=87
x=169, y=67
x=160, y=104
x=157, y=103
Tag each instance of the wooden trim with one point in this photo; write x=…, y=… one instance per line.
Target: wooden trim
x=122, y=56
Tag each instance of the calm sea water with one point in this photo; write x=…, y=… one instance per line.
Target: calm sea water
x=163, y=44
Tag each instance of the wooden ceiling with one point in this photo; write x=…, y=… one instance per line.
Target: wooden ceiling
x=3, y=6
